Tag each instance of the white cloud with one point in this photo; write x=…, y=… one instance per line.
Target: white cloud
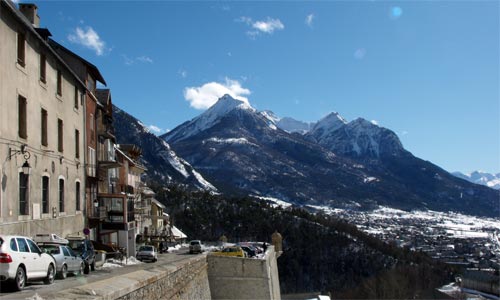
x=258, y=27
x=374, y=122
x=268, y=26
x=155, y=129
x=141, y=59
x=309, y=20
x=88, y=38
x=204, y=96
x=145, y=59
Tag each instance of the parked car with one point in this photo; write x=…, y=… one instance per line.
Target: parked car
x=235, y=251
x=84, y=248
x=195, y=247
x=21, y=260
x=67, y=261
x=147, y=252
x=249, y=250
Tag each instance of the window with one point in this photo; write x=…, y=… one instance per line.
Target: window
x=23, y=246
x=76, y=97
x=23, y=131
x=77, y=143
x=43, y=68
x=60, y=140
x=92, y=162
x=34, y=248
x=77, y=191
x=61, y=195
x=92, y=127
x=59, y=83
x=13, y=245
x=44, y=137
x=21, y=54
x=23, y=194
x=45, y=194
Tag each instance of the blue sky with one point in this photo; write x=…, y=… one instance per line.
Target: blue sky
x=428, y=70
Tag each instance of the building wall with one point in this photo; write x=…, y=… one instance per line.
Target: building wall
x=244, y=278
x=44, y=161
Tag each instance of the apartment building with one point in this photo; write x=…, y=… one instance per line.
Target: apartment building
x=42, y=125
x=90, y=75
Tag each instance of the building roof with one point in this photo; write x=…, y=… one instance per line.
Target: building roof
x=103, y=96
x=92, y=68
x=177, y=233
x=158, y=203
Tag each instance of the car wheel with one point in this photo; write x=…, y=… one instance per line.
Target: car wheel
x=20, y=279
x=86, y=270
x=92, y=266
x=64, y=272
x=51, y=274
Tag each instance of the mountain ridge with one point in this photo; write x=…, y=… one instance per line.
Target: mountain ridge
x=244, y=151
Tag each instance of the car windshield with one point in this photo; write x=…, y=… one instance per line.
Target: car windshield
x=195, y=242
x=77, y=246
x=146, y=248
x=51, y=249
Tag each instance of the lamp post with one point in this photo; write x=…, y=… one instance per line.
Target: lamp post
x=26, y=166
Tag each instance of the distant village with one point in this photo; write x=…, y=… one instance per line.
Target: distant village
x=469, y=243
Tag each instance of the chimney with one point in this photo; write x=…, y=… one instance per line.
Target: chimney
x=29, y=10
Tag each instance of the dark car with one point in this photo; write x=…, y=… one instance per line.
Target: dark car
x=84, y=248
x=250, y=251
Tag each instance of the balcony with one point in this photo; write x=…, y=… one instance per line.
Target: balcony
x=106, y=129
x=120, y=214
x=98, y=215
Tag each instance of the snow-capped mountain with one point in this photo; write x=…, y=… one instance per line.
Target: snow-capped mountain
x=358, y=138
x=288, y=124
x=161, y=161
x=243, y=151
x=208, y=119
x=480, y=177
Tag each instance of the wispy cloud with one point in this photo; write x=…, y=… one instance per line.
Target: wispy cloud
x=139, y=59
x=268, y=26
x=204, y=96
x=309, y=20
x=155, y=129
x=360, y=53
x=183, y=73
x=374, y=122
x=88, y=38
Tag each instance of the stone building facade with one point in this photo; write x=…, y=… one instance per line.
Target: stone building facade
x=41, y=125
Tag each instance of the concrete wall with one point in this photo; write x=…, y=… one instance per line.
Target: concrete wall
x=244, y=278
x=184, y=280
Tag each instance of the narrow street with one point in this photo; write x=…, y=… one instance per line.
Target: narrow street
x=38, y=290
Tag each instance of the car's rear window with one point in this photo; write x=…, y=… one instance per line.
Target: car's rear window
x=195, y=242
x=146, y=248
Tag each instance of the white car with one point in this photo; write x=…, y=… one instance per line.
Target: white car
x=21, y=260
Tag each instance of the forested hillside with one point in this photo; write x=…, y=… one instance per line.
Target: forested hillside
x=320, y=253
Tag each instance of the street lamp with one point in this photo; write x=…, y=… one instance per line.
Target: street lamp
x=26, y=166
x=96, y=203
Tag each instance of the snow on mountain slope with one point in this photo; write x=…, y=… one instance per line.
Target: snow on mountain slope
x=207, y=119
x=482, y=178
x=358, y=138
x=161, y=161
